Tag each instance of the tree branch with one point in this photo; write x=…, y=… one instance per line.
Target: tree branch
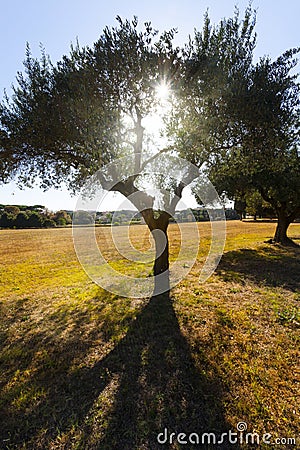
x=192, y=174
x=138, y=145
x=266, y=197
x=152, y=158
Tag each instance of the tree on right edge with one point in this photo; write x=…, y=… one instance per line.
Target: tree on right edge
x=268, y=158
x=244, y=117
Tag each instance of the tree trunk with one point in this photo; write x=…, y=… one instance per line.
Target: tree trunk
x=161, y=263
x=158, y=227
x=283, y=223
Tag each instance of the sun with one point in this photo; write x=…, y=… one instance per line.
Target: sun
x=162, y=91
x=154, y=122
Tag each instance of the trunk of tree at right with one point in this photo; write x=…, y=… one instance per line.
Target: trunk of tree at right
x=283, y=223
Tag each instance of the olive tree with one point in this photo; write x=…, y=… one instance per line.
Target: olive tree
x=243, y=117
x=66, y=121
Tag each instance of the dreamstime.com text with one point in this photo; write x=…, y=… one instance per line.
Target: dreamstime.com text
x=240, y=436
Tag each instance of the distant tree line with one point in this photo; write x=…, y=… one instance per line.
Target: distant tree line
x=124, y=217
x=37, y=216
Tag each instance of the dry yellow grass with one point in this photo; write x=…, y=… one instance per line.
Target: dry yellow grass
x=85, y=369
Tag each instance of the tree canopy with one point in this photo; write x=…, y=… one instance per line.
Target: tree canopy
x=266, y=158
x=66, y=120
x=243, y=117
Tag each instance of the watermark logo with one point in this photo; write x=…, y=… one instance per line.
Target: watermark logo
x=236, y=437
x=241, y=426
x=104, y=252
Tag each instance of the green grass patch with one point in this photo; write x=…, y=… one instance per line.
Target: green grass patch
x=85, y=369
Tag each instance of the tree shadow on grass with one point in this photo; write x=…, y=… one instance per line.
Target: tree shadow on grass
x=146, y=384
x=273, y=266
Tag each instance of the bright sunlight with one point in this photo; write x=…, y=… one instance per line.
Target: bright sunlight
x=154, y=122
x=162, y=91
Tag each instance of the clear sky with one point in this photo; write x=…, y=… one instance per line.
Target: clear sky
x=57, y=23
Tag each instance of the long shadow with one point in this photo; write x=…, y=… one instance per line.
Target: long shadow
x=269, y=265
x=158, y=388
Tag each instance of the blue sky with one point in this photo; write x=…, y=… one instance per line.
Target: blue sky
x=56, y=24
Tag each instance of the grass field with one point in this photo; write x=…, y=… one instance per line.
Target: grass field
x=85, y=369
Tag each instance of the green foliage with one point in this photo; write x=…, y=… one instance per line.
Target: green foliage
x=242, y=118
x=35, y=220
x=21, y=221
x=21, y=216
x=67, y=121
x=255, y=205
x=61, y=218
x=49, y=223
x=216, y=64
x=267, y=159
x=6, y=220
x=82, y=218
x=24, y=219
x=12, y=209
x=288, y=315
